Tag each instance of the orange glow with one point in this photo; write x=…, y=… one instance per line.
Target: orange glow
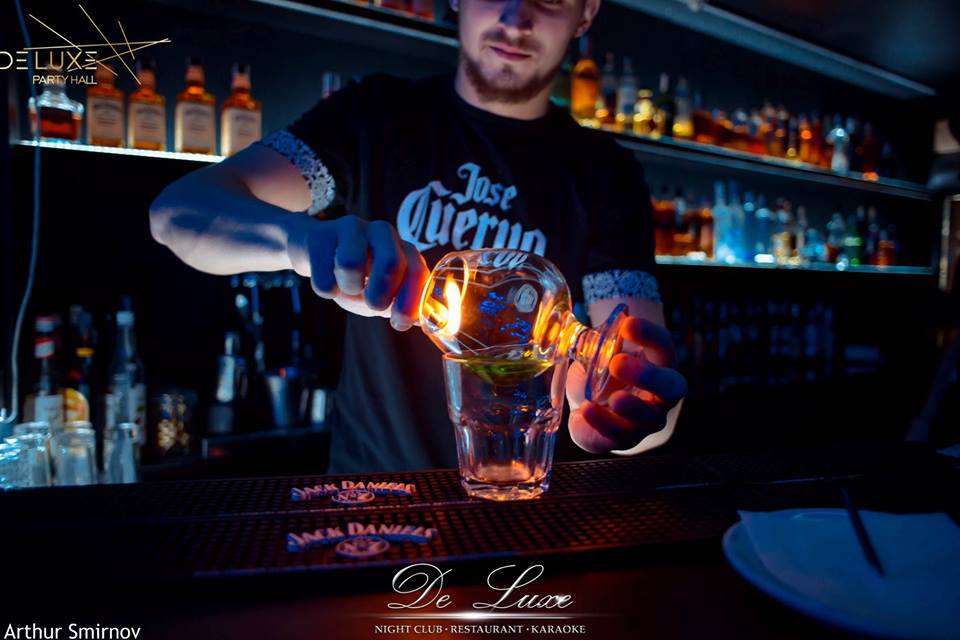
x=452, y=296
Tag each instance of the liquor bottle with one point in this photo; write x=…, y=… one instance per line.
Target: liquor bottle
x=722, y=128
x=768, y=115
x=685, y=226
x=801, y=224
x=737, y=226
x=665, y=107
x=706, y=236
x=836, y=230
x=607, y=103
x=147, y=116
x=194, y=129
x=782, y=240
x=816, y=139
x=757, y=143
x=722, y=226
x=78, y=393
x=45, y=403
x=749, y=227
x=869, y=153
x=872, y=240
x=840, y=142
x=777, y=135
x=683, y=111
x=805, y=138
x=626, y=96
x=887, y=247
x=560, y=92
x=224, y=410
x=887, y=165
x=702, y=121
x=852, y=241
x=740, y=138
x=854, y=148
x=643, y=117
x=60, y=117
x=127, y=379
x=585, y=86
x=793, y=150
x=764, y=229
x=105, y=109
x=665, y=219
x=240, y=114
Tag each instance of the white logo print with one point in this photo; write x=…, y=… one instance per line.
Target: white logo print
x=435, y=216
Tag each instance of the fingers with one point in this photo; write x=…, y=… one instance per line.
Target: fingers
x=350, y=261
x=387, y=266
x=576, y=378
x=406, y=307
x=666, y=384
x=597, y=429
x=654, y=339
x=321, y=246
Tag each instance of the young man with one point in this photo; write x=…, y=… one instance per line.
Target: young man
x=371, y=185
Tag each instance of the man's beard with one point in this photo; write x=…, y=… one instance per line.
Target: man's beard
x=506, y=86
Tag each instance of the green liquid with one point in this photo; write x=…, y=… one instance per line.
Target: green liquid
x=504, y=373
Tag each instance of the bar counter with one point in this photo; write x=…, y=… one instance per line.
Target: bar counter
x=634, y=541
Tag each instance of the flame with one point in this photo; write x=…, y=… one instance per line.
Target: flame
x=453, y=296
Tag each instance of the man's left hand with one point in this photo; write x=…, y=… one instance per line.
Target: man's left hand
x=642, y=389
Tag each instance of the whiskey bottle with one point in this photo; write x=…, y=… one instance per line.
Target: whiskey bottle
x=105, y=109
x=194, y=120
x=241, y=115
x=147, y=114
x=45, y=404
x=60, y=117
x=585, y=86
x=626, y=96
x=683, y=114
x=665, y=107
x=643, y=115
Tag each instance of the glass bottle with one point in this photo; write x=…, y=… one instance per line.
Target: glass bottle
x=702, y=121
x=683, y=114
x=127, y=378
x=663, y=116
x=839, y=139
x=585, y=86
x=240, y=115
x=147, y=115
x=45, y=402
x=764, y=229
x=60, y=117
x=105, y=109
x=194, y=119
x=643, y=116
x=722, y=226
x=607, y=103
x=626, y=94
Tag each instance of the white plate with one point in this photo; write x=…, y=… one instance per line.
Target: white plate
x=739, y=552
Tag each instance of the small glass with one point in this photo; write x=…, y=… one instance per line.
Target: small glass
x=74, y=456
x=35, y=458
x=11, y=465
x=506, y=417
x=119, y=458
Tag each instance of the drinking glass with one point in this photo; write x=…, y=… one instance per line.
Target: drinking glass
x=119, y=459
x=34, y=458
x=505, y=415
x=11, y=465
x=74, y=456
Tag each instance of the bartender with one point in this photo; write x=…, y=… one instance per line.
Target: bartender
x=381, y=179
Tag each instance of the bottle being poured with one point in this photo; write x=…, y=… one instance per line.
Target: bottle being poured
x=509, y=313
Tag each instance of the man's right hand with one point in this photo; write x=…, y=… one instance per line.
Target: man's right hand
x=363, y=266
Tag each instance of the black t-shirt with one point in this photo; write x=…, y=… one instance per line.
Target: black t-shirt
x=451, y=176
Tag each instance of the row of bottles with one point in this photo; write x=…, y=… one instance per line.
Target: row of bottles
x=74, y=383
x=612, y=98
x=142, y=122
x=721, y=343
x=732, y=230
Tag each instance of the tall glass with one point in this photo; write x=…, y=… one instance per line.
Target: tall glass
x=506, y=420
x=74, y=455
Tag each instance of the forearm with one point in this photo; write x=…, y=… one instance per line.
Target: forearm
x=213, y=223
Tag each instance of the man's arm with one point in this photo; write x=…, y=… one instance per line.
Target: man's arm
x=233, y=216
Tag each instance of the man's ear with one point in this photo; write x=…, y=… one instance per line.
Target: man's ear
x=590, y=8
x=454, y=5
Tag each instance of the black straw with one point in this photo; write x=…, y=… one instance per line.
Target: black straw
x=868, y=551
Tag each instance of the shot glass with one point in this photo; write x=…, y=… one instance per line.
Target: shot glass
x=505, y=415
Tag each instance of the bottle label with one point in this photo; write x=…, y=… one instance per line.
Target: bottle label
x=45, y=408
x=105, y=119
x=138, y=411
x=195, y=127
x=75, y=406
x=240, y=128
x=148, y=124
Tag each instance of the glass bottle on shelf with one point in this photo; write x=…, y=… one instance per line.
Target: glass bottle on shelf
x=706, y=236
x=801, y=223
x=626, y=96
x=722, y=128
x=764, y=230
x=147, y=116
x=45, y=402
x=665, y=217
x=702, y=121
x=887, y=247
x=60, y=118
x=683, y=111
x=643, y=117
x=870, y=153
x=240, y=115
x=749, y=235
x=804, y=138
x=757, y=143
x=105, y=109
x=872, y=239
x=722, y=226
x=663, y=116
x=740, y=138
x=607, y=102
x=816, y=139
x=737, y=225
x=194, y=129
x=127, y=379
x=585, y=86
x=836, y=230
x=839, y=140
x=793, y=150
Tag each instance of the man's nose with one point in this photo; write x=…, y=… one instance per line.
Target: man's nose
x=518, y=14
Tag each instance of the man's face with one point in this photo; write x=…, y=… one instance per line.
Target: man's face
x=511, y=49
